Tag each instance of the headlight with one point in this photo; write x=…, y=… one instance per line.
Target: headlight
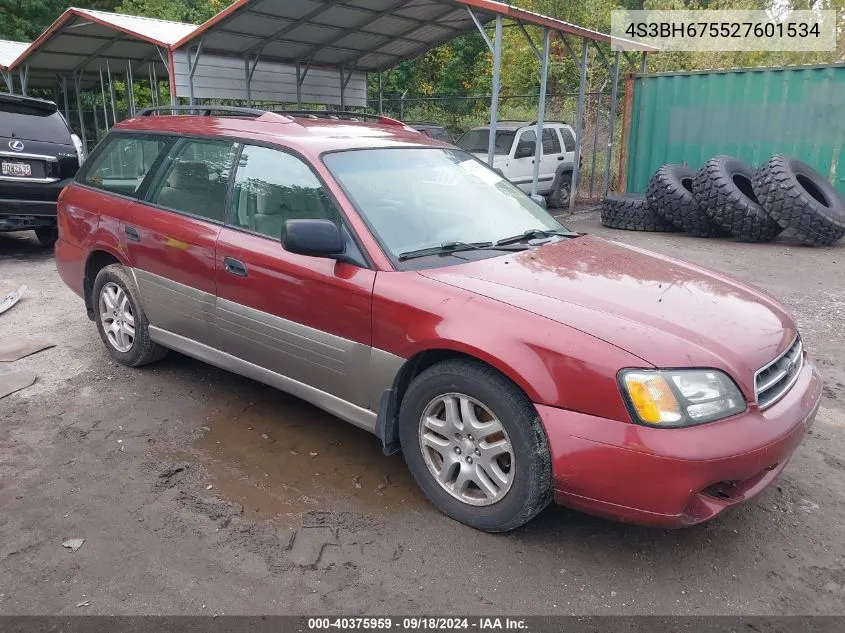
x=680, y=397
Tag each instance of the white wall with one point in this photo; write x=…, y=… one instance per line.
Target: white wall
x=220, y=77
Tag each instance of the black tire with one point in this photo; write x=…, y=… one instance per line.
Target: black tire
x=531, y=487
x=631, y=212
x=669, y=193
x=723, y=189
x=797, y=197
x=47, y=235
x=561, y=191
x=143, y=350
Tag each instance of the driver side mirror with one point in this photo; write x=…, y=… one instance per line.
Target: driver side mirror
x=316, y=238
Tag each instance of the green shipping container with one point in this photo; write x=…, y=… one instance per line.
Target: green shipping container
x=749, y=113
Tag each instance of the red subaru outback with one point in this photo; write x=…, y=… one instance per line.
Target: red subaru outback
x=400, y=284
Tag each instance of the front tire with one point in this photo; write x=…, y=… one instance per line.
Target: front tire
x=475, y=445
x=561, y=191
x=120, y=319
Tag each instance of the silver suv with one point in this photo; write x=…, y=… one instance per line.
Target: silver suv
x=514, y=155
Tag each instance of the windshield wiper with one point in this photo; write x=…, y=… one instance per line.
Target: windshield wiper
x=453, y=247
x=534, y=234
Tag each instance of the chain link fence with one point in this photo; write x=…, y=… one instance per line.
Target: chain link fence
x=459, y=114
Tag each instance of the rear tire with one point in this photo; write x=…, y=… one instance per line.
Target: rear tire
x=631, y=212
x=669, y=194
x=489, y=446
x=47, y=235
x=723, y=189
x=120, y=319
x=797, y=197
x=561, y=191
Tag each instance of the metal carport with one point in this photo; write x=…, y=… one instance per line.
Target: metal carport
x=89, y=47
x=375, y=35
x=9, y=52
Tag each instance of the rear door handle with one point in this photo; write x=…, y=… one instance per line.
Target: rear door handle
x=561, y=157
x=235, y=267
x=132, y=233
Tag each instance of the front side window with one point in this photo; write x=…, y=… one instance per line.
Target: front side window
x=272, y=187
x=527, y=145
x=123, y=163
x=195, y=178
x=475, y=141
x=421, y=198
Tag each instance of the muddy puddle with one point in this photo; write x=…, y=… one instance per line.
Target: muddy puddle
x=278, y=456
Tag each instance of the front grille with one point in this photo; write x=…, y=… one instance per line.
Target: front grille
x=775, y=379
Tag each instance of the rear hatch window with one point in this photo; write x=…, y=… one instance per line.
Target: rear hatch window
x=33, y=123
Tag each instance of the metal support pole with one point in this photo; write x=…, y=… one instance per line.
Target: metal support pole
x=97, y=124
x=64, y=93
x=595, y=144
x=154, y=85
x=111, y=93
x=77, y=84
x=541, y=110
x=192, y=67
x=579, y=126
x=380, y=95
x=644, y=63
x=342, y=89
x=494, y=100
x=9, y=78
x=24, y=75
x=130, y=89
x=247, y=83
x=103, y=92
x=611, y=124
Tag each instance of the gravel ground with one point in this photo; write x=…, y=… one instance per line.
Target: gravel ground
x=201, y=492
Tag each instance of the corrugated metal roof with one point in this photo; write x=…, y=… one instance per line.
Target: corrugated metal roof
x=86, y=41
x=164, y=31
x=366, y=35
x=9, y=51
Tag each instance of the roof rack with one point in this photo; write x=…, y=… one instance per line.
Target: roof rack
x=206, y=110
x=550, y=121
x=340, y=115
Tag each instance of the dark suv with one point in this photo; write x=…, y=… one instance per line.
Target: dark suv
x=38, y=157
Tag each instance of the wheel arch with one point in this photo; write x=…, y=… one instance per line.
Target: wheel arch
x=387, y=424
x=97, y=259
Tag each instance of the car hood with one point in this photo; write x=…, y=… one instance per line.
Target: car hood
x=667, y=312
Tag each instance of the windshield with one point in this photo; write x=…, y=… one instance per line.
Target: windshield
x=477, y=140
x=33, y=123
x=421, y=198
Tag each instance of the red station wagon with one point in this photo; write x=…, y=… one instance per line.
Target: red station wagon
x=398, y=283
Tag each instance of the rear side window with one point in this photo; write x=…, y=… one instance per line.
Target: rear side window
x=568, y=139
x=33, y=123
x=123, y=163
x=195, y=178
x=550, y=143
x=272, y=187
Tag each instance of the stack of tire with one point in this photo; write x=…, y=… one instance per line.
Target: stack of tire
x=729, y=197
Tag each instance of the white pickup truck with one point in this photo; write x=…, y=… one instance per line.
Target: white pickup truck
x=514, y=155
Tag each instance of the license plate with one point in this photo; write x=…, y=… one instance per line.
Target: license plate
x=16, y=169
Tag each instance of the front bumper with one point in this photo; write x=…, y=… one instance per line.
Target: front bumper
x=675, y=477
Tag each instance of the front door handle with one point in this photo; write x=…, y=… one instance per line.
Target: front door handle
x=132, y=233
x=235, y=267
x=561, y=157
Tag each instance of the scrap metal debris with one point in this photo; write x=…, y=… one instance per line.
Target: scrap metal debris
x=13, y=381
x=73, y=544
x=11, y=299
x=12, y=350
